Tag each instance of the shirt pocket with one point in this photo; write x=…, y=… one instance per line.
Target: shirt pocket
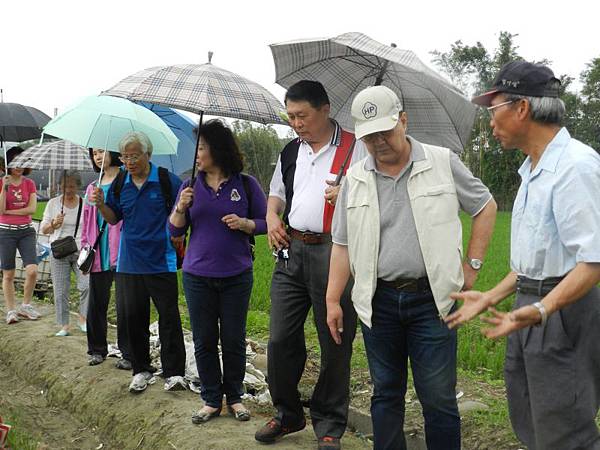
x=438, y=203
x=358, y=197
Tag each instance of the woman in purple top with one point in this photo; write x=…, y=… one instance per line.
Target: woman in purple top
x=227, y=208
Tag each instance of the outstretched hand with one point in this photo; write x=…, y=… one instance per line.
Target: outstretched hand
x=474, y=303
x=505, y=323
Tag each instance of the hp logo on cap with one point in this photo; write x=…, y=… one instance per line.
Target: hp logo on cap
x=369, y=110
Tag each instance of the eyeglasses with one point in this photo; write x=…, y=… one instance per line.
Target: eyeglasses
x=130, y=158
x=374, y=137
x=492, y=109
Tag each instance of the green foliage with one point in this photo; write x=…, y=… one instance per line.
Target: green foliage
x=260, y=146
x=473, y=68
x=589, y=129
x=18, y=438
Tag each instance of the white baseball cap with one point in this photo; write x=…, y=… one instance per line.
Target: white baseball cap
x=374, y=109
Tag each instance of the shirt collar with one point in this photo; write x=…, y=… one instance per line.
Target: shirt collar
x=152, y=175
x=336, y=137
x=550, y=156
x=417, y=153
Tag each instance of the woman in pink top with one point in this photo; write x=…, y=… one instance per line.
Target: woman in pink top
x=103, y=269
x=18, y=201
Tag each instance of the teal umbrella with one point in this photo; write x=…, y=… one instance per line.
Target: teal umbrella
x=101, y=122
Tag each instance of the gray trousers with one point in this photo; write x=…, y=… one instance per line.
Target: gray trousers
x=294, y=290
x=553, y=377
x=61, y=282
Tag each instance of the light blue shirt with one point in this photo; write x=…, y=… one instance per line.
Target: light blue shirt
x=556, y=214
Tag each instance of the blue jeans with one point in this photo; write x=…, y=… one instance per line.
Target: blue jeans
x=218, y=308
x=407, y=325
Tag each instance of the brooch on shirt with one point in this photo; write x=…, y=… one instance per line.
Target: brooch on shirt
x=235, y=195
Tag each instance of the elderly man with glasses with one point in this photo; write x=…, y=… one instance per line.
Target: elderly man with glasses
x=396, y=229
x=552, y=368
x=147, y=262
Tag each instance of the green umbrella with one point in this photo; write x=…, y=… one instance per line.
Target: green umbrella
x=101, y=122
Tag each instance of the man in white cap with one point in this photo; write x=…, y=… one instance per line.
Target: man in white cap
x=396, y=229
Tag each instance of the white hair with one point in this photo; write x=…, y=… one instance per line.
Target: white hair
x=69, y=175
x=549, y=110
x=138, y=138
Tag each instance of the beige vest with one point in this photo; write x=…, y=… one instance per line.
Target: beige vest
x=435, y=210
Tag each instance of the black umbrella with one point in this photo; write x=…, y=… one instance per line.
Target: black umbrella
x=20, y=123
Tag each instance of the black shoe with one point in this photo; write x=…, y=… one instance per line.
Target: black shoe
x=273, y=430
x=123, y=364
x=95, y=359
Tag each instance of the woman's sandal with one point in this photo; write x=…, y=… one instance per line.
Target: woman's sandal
x=200, y=416
x=242, y=415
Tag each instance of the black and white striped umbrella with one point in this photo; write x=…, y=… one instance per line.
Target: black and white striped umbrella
x=201, y=89
x=54, y=155
x=438, y=112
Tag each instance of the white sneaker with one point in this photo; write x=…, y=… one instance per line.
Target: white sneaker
x=12, y=317
x=140, y=382
x=175, y=383
x=28, y=312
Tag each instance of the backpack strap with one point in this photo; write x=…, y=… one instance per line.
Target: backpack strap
x=163, y=179
x=117, y=185
x=166, y=188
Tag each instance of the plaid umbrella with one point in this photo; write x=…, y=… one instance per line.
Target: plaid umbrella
x=438, y=113
x=54, y=155
x=201, y=89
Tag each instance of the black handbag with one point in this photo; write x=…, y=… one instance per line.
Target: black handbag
x=88, y=254
x=63, y=247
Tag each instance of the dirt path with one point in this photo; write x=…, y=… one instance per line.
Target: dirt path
x=82, y=407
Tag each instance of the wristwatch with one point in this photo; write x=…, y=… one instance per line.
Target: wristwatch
x=475, y=263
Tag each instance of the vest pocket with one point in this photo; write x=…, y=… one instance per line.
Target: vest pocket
x=440, y=203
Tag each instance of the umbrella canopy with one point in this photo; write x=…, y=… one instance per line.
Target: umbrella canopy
x=201, y=88
x=54, y=155
x=183, y=127
x=19, y=122
x=438, y=113
x=101, y=122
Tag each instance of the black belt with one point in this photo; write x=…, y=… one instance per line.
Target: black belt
x=309, y=237
x=406, y=284
x=537, y=287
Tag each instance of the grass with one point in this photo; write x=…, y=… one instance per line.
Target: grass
x=476, y=352
x=17, y=438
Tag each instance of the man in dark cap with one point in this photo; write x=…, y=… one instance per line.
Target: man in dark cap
x=552, y=367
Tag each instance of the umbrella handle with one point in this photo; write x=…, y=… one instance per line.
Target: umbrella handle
x=340, y=174
x=193, y=179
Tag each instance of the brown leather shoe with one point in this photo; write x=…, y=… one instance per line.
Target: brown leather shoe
x=329, y=443
x=273, y=430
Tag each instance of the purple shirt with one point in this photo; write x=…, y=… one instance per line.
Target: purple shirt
x=213, y=249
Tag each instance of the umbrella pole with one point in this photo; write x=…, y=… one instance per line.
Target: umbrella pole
x=4, y=151
x=105, y=150
x=62, y=200
x=193, y=179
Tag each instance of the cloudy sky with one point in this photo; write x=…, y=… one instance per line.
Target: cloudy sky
x=55, y=52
